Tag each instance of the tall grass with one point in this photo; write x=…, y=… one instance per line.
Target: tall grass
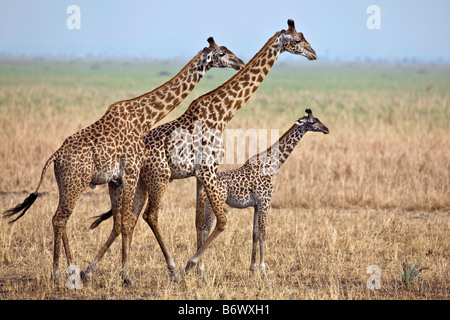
x=373, y=192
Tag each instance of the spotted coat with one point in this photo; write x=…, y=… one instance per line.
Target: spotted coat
x=251, y=184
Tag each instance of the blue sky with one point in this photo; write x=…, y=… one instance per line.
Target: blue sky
x=179, y=29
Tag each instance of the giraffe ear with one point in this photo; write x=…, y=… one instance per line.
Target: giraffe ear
x=207, y=50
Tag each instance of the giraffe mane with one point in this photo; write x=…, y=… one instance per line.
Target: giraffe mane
x=247, y=66
x=269, y=150
x=188, y=65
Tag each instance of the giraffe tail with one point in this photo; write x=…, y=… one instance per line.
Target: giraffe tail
x=100, y=218
x=28, y=202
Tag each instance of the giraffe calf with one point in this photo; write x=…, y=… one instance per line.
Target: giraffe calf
x=251, y=185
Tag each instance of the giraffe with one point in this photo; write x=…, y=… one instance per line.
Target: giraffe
x=251, y=184
x=110, y=150
x=190, y=145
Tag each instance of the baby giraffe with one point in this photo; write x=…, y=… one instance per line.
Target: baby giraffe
x=251, y=184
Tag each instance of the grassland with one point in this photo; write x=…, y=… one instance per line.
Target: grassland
x=376, y=191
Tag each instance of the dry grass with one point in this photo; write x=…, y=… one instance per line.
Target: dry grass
x=311, y=254
x=373, y=192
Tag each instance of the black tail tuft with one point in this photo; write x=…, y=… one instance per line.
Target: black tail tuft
x=25, y=205
x=101, y=218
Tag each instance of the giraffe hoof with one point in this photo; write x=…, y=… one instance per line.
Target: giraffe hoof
x=189, y=265
x=128, y=283
x=174, y=276
x=201, y=270
x=84, y=276
x=56, y=278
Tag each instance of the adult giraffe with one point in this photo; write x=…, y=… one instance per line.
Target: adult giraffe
x=111, y=149
x=185, y=147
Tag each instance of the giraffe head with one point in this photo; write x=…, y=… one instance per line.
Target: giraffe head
x=294, y=42
x=219, y=57
x=311, y=123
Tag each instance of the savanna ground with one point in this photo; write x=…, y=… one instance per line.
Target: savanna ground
x=375, y=191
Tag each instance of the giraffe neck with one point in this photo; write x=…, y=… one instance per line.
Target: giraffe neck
x=146, y=110
x=277, y=154
x=218, y=107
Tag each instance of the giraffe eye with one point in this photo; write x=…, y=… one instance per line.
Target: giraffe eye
x=297, y=41
x=221, y=54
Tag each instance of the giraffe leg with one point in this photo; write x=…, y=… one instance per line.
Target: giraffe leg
x=70, y=190
x=59, y=225
x=59, y=222
x=262, y=213
x=129, y=182
x=209, y=180
x=114, y=194
x=200, y=220
x=159, y=187
x=116, y=202
x=209, y=220
x=255, y=240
